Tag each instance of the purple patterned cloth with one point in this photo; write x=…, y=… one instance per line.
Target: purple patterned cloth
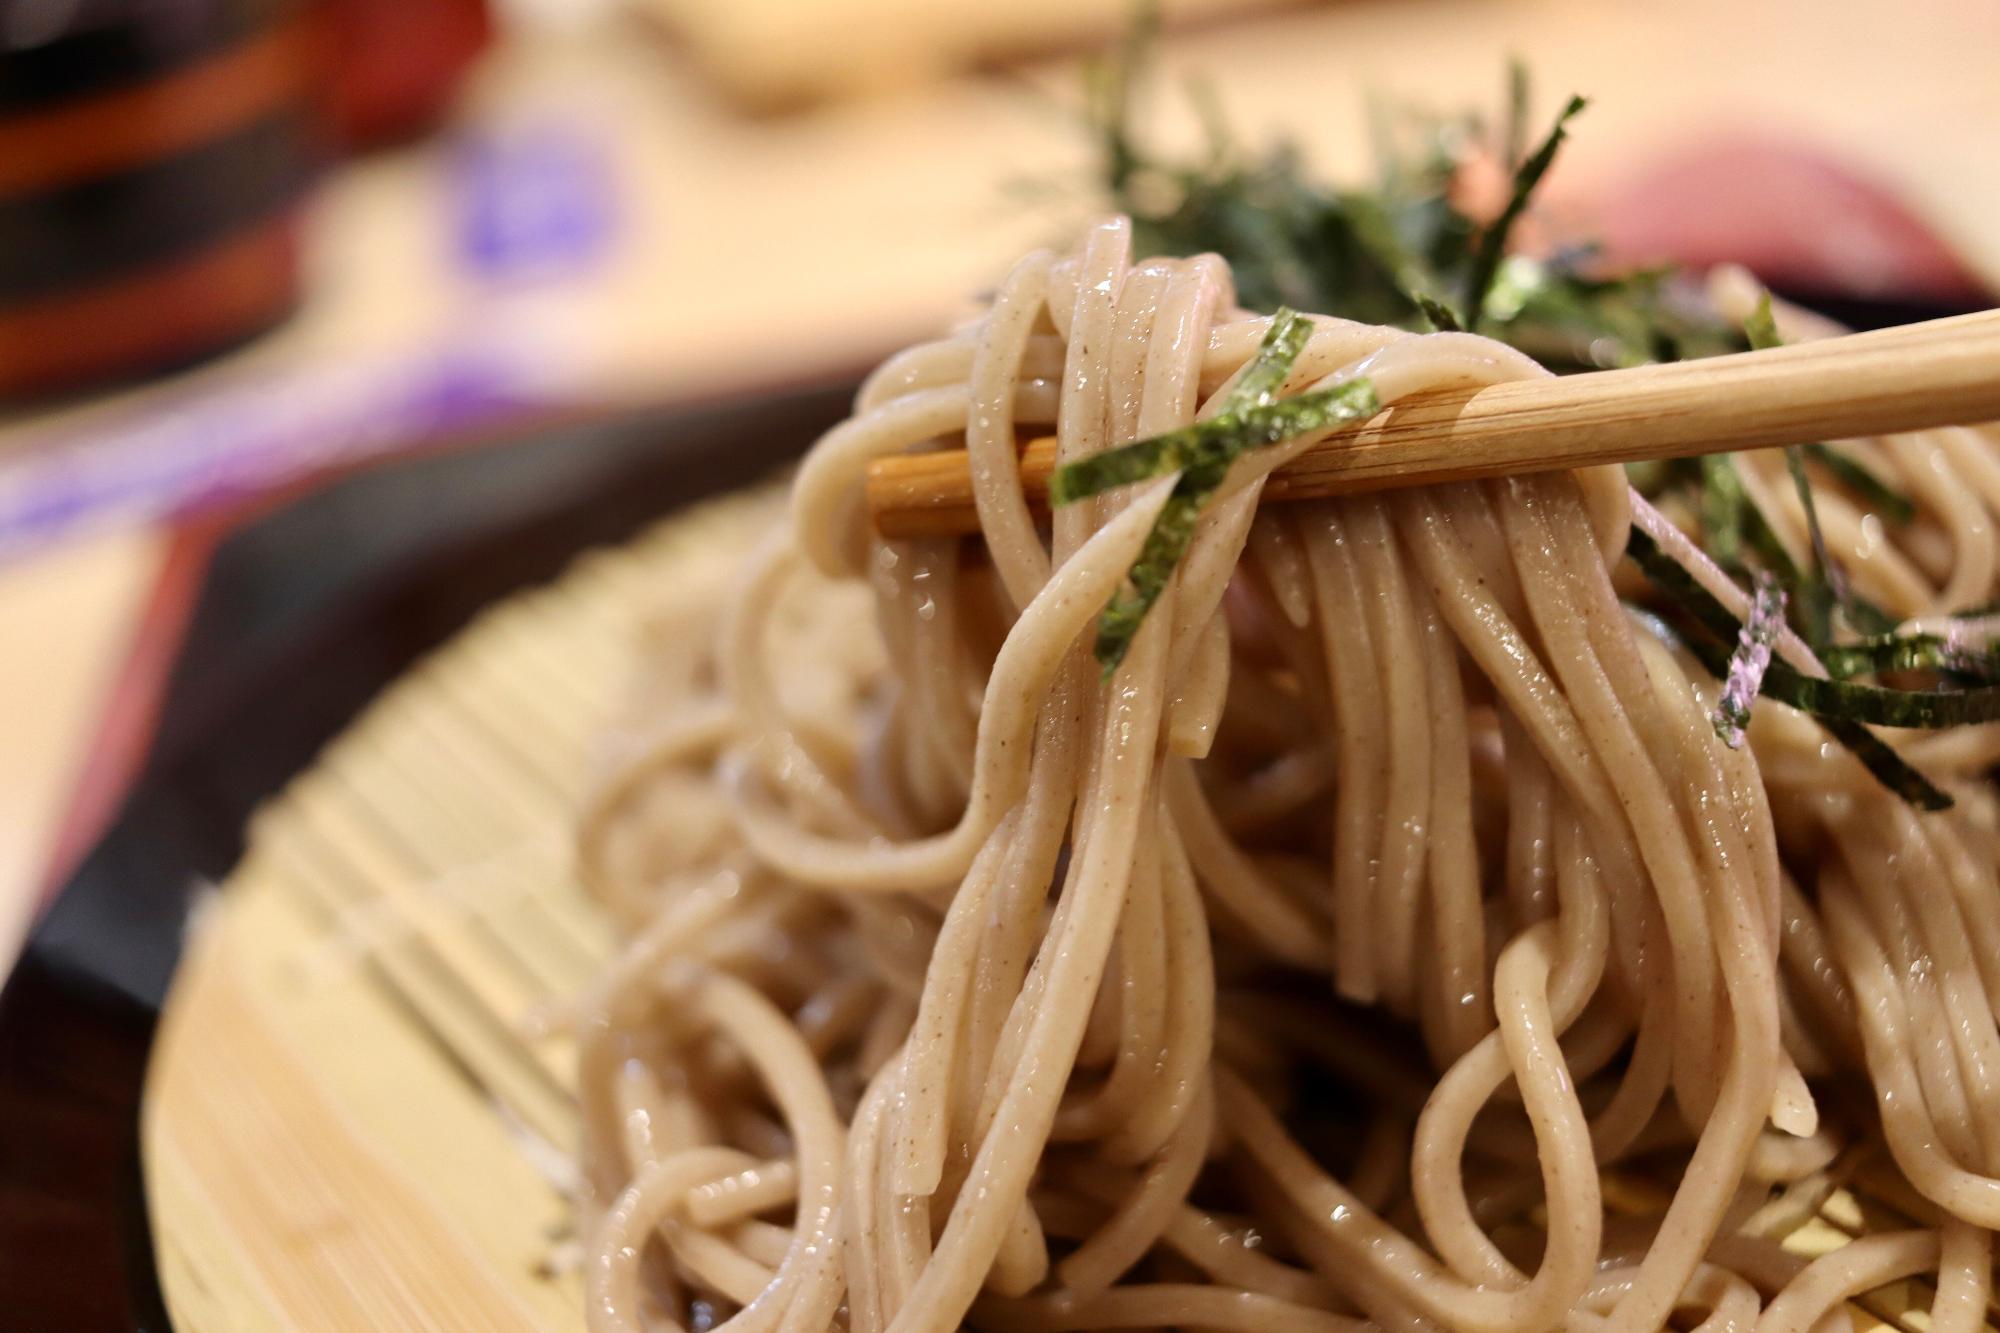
x=228, y=443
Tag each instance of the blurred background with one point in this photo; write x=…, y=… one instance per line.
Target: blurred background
x=251, y=246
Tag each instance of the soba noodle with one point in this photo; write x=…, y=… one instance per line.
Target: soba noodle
x=1389, y=943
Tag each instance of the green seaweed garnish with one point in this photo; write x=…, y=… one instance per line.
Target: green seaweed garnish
x=1886, y=766
x=1873, y=656
x=1723, y=506
x=1256, y=387
x=1761, y=328
x=1388, y=251
x=1219, y=439
x=1822, y=696
x=1741, y=539
x=1682, y=589
x=1826, y=570
x=1762, y=331
x=1166, y=543
x=1493, y=242
x=1209, y=448
x=1823, y=588
x=1842, y=706
x=1259, y=383
x=1440, y=315
x=1252, y=416
x=1932, y=710
x=1202, y=461
x=1395, y=250
x=1913, y=652
x=1884, y=499
x=1739, y=536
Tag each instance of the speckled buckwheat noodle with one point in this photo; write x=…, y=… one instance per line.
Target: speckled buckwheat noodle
x=1389, y=943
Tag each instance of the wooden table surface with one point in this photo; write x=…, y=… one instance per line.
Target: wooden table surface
x=755, y=250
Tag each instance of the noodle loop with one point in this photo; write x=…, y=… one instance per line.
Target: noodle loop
x=1389, y=942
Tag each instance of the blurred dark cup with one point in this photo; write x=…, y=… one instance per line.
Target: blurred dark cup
x=153, y=155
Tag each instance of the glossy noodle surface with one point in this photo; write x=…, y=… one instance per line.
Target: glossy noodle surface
x=1390, y=942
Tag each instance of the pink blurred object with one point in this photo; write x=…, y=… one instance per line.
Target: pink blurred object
x=1793, y=215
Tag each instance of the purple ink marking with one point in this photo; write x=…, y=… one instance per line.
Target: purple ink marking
x=1750, y=661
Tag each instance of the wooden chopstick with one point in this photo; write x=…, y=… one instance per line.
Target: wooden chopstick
x=1939, y=373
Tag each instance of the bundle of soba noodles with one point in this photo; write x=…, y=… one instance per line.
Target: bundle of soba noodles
x=1391, y=939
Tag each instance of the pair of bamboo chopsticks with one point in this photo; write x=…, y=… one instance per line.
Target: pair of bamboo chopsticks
x=1939, y=373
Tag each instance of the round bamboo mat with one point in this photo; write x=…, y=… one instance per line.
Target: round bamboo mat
x=348, y=1124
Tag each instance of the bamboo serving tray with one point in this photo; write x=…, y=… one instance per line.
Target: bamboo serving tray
x=348, y=1124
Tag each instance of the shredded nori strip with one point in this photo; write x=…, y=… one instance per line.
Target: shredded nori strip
x=1217, y=440
x=1883, y=705
x=1379, y=252
x=1203, y=455
x=1840, y=706
x=1493, y=245
x=1682, y=588
x=1252, y=416
x=1876, y=755
x=1823, y=561
x=1761, y=328
x=1824, y=696
x=1910, y=652
x=1168, y=541
x=1888, y=768
x=1438, y=313
x=1208, y=459
x=1393, y=250
x=1888, y=502
x=1762, y=331
x=1723, y=503
x=1734, y=529
x=1264, y=377
x=1914, y=652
